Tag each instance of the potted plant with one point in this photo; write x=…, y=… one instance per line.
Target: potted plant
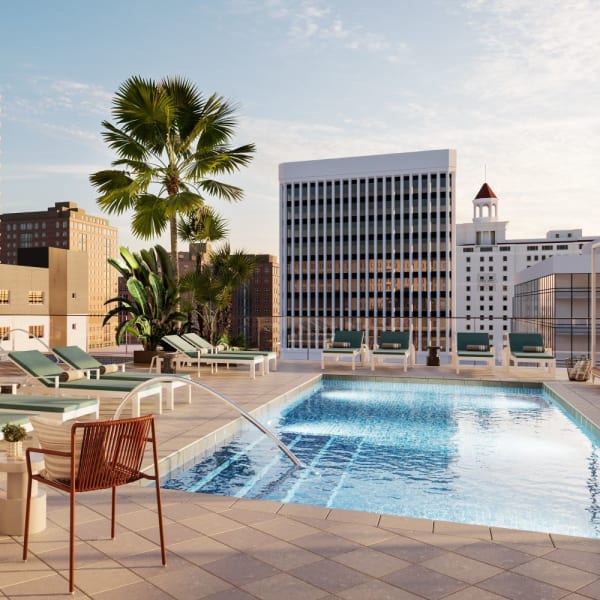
x=150, y=310
x=14, y=434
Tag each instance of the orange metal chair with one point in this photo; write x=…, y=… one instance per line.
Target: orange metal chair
x=103, y=454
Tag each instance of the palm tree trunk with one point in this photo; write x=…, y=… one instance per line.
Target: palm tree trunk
x=174, y=244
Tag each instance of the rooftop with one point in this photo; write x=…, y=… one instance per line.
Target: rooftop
x=226, y=548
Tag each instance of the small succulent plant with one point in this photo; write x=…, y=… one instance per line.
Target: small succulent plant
x=13, y=432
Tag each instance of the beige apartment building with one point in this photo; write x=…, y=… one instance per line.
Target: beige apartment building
x=69, y=227
x=44, y=304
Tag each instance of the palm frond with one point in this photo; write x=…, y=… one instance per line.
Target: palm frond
x=150, y=218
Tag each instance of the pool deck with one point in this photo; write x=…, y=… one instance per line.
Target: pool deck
x=220, y=548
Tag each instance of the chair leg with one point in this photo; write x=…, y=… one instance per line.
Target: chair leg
x=72, y=543
x=113, y=513
x=161, y=530
x=27, y=512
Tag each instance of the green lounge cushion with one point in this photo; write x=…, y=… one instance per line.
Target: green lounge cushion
x=49, y=404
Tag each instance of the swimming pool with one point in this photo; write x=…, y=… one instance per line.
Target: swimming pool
x=501, y=456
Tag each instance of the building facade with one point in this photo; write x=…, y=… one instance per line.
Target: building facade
x=45, y=301
x=255, y=306
x=487, y=264
x=67, y=226
x=366, y=243
x=554, y=298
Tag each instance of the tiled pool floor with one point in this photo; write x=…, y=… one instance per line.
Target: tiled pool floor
x=222, y=548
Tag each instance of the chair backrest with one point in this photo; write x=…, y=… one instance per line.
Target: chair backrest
x=198, y=341
x=354, y=338
x=517, y=341
x=77, y=358
x=37, y=365
x=111, y=451
x=179, y=343
x=471, y=338
x=395, y=337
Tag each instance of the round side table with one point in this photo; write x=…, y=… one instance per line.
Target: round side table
x=13, y=501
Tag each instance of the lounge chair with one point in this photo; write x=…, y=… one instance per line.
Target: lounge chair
x=528, y=348
x=473, y=347
x=48, y=374
x=62, y=409
x=393, y=345
x=186, y=353
x=78, y=359
x=201, y=344
x=345, y=344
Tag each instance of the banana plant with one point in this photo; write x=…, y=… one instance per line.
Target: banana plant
x=150, y=310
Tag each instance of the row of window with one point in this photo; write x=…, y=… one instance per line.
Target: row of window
x=35, y=331
x=33, y=297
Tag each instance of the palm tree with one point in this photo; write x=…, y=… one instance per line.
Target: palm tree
x=201, y=227
x=212, y=287
x=171, y=142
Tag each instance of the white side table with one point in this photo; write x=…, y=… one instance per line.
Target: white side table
x=13, y=501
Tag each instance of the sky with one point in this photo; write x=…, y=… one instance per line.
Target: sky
x=512, y=85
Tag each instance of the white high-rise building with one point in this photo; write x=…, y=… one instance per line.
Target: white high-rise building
x=366, y=243
x=486, y=265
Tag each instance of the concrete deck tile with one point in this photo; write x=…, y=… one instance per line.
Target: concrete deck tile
x=143, y=590
x=516, y=536
x=424, y=582
x=284, y=556
x=586, y=561
x=577, y=543
x=462, y=530
x=247, y=517
x=556, y=574
x=326, y=544
x=285, y=529
x=497, y=555
x=394, y=523
x=407, y=549
x=591, y=591
x=376, y=589
x=519, y=587
x=353, y=516
x=211, y=523
x=461, y=567
x=371, y=562
x=284, y=587
x=240, y=569
x=303, y=510
x=191, y=582
x=124, y=544
x=361, y=534
x=245, y=538
x=231, y=594
x=329, y=575
x=443, y=541
x=201, y=551
x=101, y=576
x=268, y=506
x=53, y=586
x=474, y=593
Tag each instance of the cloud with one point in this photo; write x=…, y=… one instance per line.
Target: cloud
x=534, y=50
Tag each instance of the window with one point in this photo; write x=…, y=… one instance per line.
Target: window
x=468, y=327
x=4, y=297
x=468, y=278
x=35, y=297
x=532, y=248
x=562, y=247
x=4, y=334
x=504, y=259
x=468, y=269
x=36, y=331
x=481, y=259
x=505, y=268
x=468, y=259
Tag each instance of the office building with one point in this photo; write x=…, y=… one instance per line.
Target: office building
x=366, y=243
x=487, y=264
x=67, y=226
x=554, y=298
x=255, y=306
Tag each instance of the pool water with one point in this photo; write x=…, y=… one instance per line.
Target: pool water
x=507, y=457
